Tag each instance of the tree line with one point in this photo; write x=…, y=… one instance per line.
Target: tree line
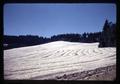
x=106, y=38
x=108, y=35
x=29, y=40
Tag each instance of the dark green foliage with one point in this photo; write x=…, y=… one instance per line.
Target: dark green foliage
x=22, y=40
x=29, y=40
x=108, y=38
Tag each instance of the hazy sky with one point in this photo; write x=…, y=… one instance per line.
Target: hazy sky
x=51, y=19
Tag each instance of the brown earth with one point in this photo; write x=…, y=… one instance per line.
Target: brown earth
x=103, y=73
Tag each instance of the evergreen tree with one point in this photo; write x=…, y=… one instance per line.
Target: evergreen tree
x=107, y=38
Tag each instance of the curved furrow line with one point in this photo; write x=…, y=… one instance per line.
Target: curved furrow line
x=88, y=52
x=56, y=54
x=101, y=52
x=97, y=50
x=107, y=53
x=60, y=54
x=61, y=66
x=35, y=57
x=80, y=52
x=111, y=56
x=92, y=52
x=51, y=63
x=77, y=53
x=45, y=54
x=99, y=59
x=49, y=54
x=53, y=53
x=24, y=75
x=63, y=53
x=83, y=52
x=31, y=55
x=55, y=60
x=106, y=50
x=40, y=55
x=71, y=53
x=67, y=53
x=22, y=56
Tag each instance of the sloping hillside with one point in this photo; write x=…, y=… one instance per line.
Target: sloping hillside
x=55, y=59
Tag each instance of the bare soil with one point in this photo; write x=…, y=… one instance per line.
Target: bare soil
x=103, y=73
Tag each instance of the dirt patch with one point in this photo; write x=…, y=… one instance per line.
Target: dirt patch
x=103, y=73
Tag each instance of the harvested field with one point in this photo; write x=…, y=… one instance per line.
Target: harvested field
x=59, y=59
